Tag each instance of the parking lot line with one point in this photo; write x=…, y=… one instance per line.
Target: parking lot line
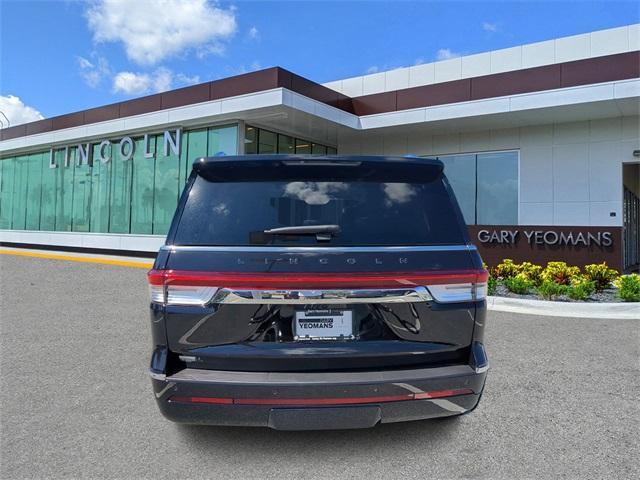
x=79, y=258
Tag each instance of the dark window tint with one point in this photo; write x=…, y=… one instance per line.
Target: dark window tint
x=368, y=213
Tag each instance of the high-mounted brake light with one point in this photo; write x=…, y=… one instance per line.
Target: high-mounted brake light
x=180, y=287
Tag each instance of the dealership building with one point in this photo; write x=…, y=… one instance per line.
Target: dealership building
x=541, y=143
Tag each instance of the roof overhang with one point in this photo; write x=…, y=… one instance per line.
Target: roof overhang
x=274, y=98
x=285, y=110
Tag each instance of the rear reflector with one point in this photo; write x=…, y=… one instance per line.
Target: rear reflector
x=295, y=402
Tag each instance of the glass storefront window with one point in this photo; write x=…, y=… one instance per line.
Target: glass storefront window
x=251, y=141
x=137, y=196
x=461, y=172
x=143, y=187
x=486, y=186
x=20, y=179
x=64, y=189
x=49, y=194
x=260, y=141
x=34, y=191
x=267, y=142
x=317, y=149
x=80, y=210
x=222, y=141
x=303, y=147
x=166, y=186
x=286, y=144
x=498, y=188
x=120, y=208
x=6, y=192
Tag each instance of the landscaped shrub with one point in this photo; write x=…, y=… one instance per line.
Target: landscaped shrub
x=629, y=286
x=506, y=269
x=600, y=274
x=519, y=284
x=550, y=290
x=492, y=283
x=559, y=272
x=531, y=272
x=581, y=288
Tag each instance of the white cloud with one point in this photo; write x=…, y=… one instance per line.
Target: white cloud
x=16, y=111
x=152, y=30
x=398, y=193
x=314, y=193
x=446, y=54
x=222, y=209
x=419, y=61
x=161, y=80
x=93, y=72
x=183, y=79
x=254, y=33
x=131, y=83
x=211, y=49
x=372, y=69
x=241, y=69
x=489, y=27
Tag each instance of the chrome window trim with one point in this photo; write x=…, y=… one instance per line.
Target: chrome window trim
x=323, y=297
x=313, y=249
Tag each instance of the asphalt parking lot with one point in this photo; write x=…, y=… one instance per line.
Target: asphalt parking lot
x=561, y=399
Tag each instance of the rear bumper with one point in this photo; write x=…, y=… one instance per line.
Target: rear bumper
x=318, y=400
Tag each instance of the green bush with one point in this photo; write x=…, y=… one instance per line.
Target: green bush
x=506, y=269
x=581, y=288
x=600, y=274
x=629, y=286
x=550, y=290
x=559, y=272
x=519, y=284
x=531, y=272
x=492, y=283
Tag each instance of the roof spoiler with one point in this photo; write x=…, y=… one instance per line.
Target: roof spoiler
x=318, y=167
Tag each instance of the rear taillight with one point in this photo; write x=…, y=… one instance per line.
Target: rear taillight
x=180, y=287
x=461, y=292
x=163, y=289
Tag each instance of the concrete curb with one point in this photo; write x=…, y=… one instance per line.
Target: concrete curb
x=622, y=311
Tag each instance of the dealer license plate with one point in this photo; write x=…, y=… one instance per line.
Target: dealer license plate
x=323, y=325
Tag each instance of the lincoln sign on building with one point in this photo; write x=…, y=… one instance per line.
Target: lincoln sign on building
x=541, y=144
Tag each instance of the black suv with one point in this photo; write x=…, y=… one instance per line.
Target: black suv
x=313, y=292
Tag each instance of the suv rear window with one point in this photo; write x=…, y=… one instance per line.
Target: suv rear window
x=369, y=213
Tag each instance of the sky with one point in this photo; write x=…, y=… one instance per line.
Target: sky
x=60, y=56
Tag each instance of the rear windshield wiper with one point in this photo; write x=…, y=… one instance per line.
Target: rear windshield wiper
x=322, y=232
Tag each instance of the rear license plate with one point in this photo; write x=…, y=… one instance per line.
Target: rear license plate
x=323, y=325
